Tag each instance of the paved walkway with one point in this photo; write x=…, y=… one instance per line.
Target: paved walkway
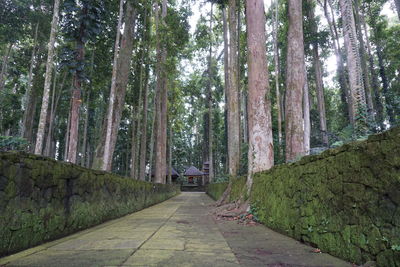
x=177, y=232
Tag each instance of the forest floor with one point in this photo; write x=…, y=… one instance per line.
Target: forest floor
x=178, y=232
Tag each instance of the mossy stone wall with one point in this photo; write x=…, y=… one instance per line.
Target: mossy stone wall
x=42, y=199
x=345, y=201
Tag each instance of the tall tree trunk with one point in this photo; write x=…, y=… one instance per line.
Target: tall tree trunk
x=261, y=151
x=277, y=91
x=143, y=137
x=67, y=131
x=397, y=3
x=232, y=95
x=152, y=137
x=226, y=80
x=170, y=155
x=117, y=92
x=31, y=103
x=318, y=74
x=162, y=91
x=30, y=78
x=385, y=84
x=363, y=57
x=49, y=137
x=306, y=114
x=103, y=151
x=375, y=83
x=354, y=66
x=84, y=158
x=345, y=94
x=210, y=104
x=47, y=81
x=135, y=156
x=4, y=65
x=295, y=82
x=133, y=146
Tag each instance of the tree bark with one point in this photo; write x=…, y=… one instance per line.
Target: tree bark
x=375, y=83
x=226, y=81
x=261, y=151
x=385, y=84
x=170, y=155
x=345, y=94
x=102, y=159
x=47, y=81
x=162, y=91
x=318, y=74
x=354, y=66
x=232, y=95
x=67, y=131
x=143, y=137
x=306, y=114
x=210, y=106
x=4, y=65
x=277, y=91
x=133, y=146
x=49, y=137
x=363, y=58
x=397, y=3
x=295, y=82
x=30, y=78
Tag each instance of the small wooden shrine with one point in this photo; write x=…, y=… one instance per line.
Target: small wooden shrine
x=194, y=176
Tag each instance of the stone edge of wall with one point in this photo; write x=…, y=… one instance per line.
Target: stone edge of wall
x=345, y=201
x=42, y=199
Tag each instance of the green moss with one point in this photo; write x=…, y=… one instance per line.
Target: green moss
x=45, y=199
x=346, y=201
x=216, y=190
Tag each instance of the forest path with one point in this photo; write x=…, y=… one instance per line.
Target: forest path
x=177, y=232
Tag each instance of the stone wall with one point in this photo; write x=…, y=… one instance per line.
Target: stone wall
x=42, y=199
x=345, y=201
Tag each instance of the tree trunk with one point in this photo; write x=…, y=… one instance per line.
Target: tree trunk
x=385, y=84
x=232, y=95
x=4, y=64
x=318, y=73
x=277, y=92
x=226, y=81
x=397, y=3
x=49, y=137
x=153, y=131
x=170, y=155
x=162, y=93
x=84, y=158
x=143, y=138
x=210, y=106
x=295, y=74
x=306, y=114
x=363, y=57
x=345, y=94
x=375, y=83
x=31, y=103
x=133, y=146
x=261, y=150
x=47, y=81
x=102, y=157
x=67, y=131
x=354, y=66
x=30, y=78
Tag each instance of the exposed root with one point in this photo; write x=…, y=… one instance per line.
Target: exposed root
x=235, y=212
x=224, y=198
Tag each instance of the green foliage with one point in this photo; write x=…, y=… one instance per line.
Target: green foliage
x=8, y=143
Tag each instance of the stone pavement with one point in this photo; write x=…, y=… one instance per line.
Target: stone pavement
x=177, y=232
